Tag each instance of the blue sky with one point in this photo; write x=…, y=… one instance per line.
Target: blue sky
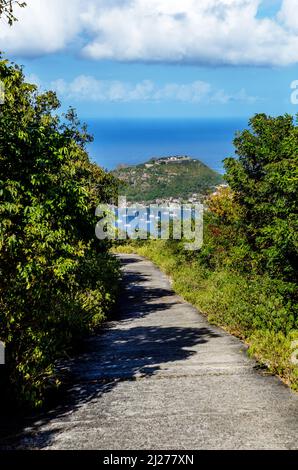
x=160, y=58
x=267, y=89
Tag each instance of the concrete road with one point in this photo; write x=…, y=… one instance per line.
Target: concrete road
x=160, y=377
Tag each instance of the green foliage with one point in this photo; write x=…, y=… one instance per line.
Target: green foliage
x=265, y=182
x=57, y=282
x=7, y=9
x=276, y=351
x=182, y=179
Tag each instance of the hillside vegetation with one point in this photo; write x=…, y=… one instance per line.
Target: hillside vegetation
x=57, y=282
x=245, y=276
x=164, y=178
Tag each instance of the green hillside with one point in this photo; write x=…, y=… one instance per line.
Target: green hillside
x=164, y=178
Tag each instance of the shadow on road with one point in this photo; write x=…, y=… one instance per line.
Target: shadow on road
x=123, y=351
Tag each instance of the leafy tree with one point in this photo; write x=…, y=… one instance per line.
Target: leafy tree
x=57, y=282
x=7, y=9
x=265, y=181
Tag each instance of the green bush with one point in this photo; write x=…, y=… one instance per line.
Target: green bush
x=276, y=351
x=264, y=180
x=57, y=281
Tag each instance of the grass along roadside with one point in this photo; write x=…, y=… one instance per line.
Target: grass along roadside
x=252, y=308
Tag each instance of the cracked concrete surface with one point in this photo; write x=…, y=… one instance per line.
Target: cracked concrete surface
x=160, y=377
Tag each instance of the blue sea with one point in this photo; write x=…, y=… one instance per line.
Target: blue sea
x=133, y=141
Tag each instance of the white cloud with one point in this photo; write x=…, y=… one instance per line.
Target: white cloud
x=89, y=89
x=190, y=31
x=44, y=26
x=288, y=15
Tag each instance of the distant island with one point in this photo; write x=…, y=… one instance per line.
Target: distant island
x=168, y=179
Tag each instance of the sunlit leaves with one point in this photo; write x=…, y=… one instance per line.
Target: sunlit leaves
x=57, y=281
x=7, y=9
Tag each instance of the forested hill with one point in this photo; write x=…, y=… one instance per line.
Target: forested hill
x=164, y=178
